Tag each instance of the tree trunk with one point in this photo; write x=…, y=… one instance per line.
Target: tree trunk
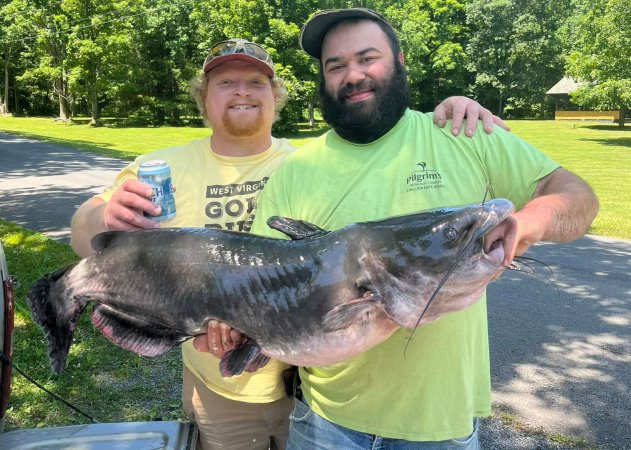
x=4, y=100
x=621, y=120
x=15, y=97
x=93, y=95
x=500, y=105
x=310, y=113
x=61, y=85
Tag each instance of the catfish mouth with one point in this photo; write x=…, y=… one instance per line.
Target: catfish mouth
x=496, y=212
x=496, y=253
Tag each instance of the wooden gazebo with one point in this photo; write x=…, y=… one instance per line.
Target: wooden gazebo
x=563, y=106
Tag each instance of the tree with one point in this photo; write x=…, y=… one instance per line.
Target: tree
x=98, y=46
x=48, y=53
x=15, y=29
x=601, y=57
x=516, y=53
x=489, y=49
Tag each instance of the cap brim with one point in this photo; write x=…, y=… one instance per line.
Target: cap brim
x=239, y=57
x=314, y=30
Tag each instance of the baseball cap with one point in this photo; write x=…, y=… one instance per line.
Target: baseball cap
x=313, y=31
x=242, y=50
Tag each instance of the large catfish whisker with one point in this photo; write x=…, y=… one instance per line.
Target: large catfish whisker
x=450, y=270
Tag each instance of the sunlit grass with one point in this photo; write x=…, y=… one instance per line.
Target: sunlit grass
x=600, y=154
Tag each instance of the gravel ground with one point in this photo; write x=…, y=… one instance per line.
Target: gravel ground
x=496, y=435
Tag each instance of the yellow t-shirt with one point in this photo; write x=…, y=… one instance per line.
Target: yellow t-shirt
x=218, y=192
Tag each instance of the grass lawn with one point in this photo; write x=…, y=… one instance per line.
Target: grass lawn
x=115, y=385
x=601, y=154
x=117, y=142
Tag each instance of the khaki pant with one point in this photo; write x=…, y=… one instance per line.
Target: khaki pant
x=233, y=425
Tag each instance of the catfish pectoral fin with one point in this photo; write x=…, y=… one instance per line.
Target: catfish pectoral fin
x=347, y=314
x=135, y=334
x=247, y=357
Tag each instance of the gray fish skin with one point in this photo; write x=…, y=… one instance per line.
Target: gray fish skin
x=312, y=301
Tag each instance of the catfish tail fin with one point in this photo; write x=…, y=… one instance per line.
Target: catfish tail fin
x=57, y=313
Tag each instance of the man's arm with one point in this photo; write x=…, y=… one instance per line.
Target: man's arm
x=124, y=211
x=562, y=208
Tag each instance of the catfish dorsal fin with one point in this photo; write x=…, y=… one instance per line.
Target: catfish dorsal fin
x=102, y=240
x=296, y=229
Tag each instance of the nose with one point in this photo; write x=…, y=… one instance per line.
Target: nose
x=241, y=88
x=354, y=74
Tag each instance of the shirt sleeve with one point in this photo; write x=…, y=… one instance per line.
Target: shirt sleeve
x=514, y=167
x=271, y=202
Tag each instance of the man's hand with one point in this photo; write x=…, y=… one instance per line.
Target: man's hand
x=506, y=233
x=218, y=340
x=125, y=209
x=458, y=108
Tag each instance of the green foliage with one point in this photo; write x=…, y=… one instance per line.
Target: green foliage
x=516, y=53
x=601, y=56
x=135, y=58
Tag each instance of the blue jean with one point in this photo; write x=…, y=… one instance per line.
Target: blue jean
x=308, y=431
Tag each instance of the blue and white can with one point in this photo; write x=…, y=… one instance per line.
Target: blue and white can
x=158, y=175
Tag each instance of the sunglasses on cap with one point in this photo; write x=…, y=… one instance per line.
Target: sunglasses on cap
x=239, y=49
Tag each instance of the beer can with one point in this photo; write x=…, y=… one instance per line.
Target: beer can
x=158, y=175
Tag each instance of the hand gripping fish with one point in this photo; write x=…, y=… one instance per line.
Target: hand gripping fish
x=315, y=300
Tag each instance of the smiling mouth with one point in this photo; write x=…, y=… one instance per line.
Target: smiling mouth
x=359, y=96
x=242, y=107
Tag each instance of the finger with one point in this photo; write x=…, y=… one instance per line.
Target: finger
x=237, y=338
x=200, y=343
x=459, y=110
x=473, y=113
x=119, y=217
x=487, y=120
x=215, y=346
x=226, y=339
x=499, y=122
x=508, y=234
x=440, y=115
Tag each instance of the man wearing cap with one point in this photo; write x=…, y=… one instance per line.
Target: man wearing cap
x=218, y=180
x=423, y=391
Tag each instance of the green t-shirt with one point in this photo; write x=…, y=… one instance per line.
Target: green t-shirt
x=432, y=391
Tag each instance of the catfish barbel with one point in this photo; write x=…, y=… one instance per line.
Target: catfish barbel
x=312, y=301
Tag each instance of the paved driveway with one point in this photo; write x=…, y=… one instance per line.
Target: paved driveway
x=41, y=185
x=560, y=339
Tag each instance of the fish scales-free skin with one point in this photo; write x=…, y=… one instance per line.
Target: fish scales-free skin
x=312, y=301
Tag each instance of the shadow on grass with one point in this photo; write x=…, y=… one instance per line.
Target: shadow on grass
x=140, y=122
x=611, y=127
x=615, y=142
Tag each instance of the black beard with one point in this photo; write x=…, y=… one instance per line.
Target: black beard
x=366, y=122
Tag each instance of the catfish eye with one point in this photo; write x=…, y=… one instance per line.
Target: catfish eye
x=450, y=233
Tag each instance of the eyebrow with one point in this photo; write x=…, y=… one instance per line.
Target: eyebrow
x=359, y=53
